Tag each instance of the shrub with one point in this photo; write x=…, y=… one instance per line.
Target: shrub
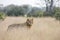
x=57, y=13
x=2, y=15
x=36, y=14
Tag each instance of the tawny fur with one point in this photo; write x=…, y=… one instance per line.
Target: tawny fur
x=27, y=24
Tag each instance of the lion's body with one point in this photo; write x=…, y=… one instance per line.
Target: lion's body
x=16, y=26
x=27, y=24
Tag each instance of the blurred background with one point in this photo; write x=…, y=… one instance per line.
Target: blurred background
x=35, y=8
x=45, y=14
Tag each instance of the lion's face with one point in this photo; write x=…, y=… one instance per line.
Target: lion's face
x=29, y=22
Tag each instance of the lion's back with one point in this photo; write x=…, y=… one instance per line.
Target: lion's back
x=15, y=26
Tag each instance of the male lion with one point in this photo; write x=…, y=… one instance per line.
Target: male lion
x=27, y=24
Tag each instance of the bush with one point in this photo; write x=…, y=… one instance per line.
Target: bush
x=57, y=13
x=40, y=14
x=2, y=15
x=57, y=16
x=36, y=14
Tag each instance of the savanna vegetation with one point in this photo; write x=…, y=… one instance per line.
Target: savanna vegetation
x=14, y=10
x=2, y=15
x=44, y=24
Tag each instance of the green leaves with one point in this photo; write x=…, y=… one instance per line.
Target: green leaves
x=2, y=15
x=57, y=13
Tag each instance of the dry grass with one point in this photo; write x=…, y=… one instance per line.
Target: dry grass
x=42, y=29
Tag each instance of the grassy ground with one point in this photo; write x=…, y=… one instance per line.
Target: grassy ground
x=42, y=29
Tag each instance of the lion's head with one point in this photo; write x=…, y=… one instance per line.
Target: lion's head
x=29, y=22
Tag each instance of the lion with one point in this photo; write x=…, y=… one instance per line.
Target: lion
x=27, y=24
